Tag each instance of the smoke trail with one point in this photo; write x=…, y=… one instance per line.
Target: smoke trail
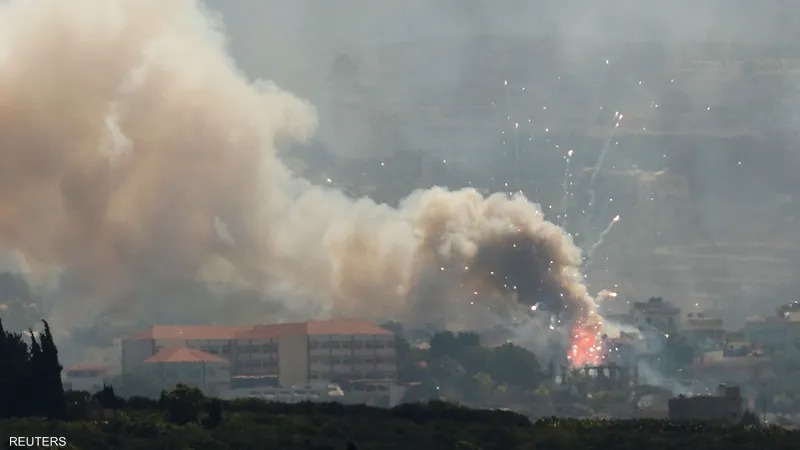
x=593, y=248
x=600, y=161
x=565, y=188
x=134, y=151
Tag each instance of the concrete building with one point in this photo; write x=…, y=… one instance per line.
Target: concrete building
x=776, y=335
x=655, y=313
x=735, y=366
x=85, y=377
x=725, y=406
x=358, y=355
x=196, y=368
x=701, y=326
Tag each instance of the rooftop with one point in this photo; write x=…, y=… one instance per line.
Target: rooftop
x=86, y=367
x=265, y=331
x=192, y=332
x=183, y=354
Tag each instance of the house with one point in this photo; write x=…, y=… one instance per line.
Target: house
x=85, y=377
x=725, y=406
x=703, y=327
x=655, y=313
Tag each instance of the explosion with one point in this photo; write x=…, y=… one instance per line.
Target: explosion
x=586, y=346
x=133, y=151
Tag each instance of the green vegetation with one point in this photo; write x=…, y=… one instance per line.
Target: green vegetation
x=30, y=376
x=183, y=419
x=33, y=403
x=458, y=368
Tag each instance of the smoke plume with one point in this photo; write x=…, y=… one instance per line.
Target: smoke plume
x=132, y=151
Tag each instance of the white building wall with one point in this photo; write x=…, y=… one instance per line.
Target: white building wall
x=135, y=352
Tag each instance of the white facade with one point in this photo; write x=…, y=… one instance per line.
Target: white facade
x=657, y=314
x=293, y=354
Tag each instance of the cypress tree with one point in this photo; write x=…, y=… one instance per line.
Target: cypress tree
x=13, y=369
x=51, y=376
x=32, y=387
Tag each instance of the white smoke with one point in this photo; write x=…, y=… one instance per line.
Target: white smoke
x=149, y=85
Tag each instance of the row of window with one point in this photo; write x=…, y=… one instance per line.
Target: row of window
x=351, y=344
x=371, y=375
x=264, y=348
x=350, y=360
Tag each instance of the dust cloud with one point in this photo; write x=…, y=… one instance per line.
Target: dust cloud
x=133, y=151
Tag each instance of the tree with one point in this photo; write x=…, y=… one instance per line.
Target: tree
x=183, y=404
x=214, y=409
x=30, y=376
x=443, y=344
x=107, y=398
x=515, y=366
x=14, y=360
x=52, y=386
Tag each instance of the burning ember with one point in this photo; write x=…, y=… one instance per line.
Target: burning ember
x=586, y=347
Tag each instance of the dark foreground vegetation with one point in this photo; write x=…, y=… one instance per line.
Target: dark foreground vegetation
x=183, y=419
x=33, y=403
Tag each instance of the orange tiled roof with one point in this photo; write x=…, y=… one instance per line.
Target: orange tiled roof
x=273, y=331
x=183, y=354
x=268, y=331
x=86, y=367
x=192, y=332
x=344, y=326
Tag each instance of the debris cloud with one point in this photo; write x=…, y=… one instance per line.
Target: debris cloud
x=132, y=150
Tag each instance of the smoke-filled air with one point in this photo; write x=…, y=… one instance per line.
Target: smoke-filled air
x=133, y=151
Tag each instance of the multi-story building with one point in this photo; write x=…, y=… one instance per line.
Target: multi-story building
x=354, y=353
x=700, y=326
x=655, y=313
x=778, y=334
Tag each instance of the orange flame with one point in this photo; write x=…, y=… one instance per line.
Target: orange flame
x=586, y=347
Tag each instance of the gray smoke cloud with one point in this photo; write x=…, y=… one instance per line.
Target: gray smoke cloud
x=133, y=151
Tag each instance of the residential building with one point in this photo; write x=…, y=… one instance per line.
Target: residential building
x=85, y=377
x=740, y=366
x=700, y=326
x=776, y=335
x=725, y=406
x=356, y=354
x=655, y=313
x=196, y=368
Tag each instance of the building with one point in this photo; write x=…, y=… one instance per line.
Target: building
x=776, y=335
x=655, y=313
x=700, y=327
x=196, y=368
x=742, y=366
x=85, y=377
x=356, y=354
x=726, y=406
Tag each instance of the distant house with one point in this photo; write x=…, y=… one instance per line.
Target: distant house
x=699, y=326
x=778, y=334
x=85, y=377
x=726, y=406
x=656, y=313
